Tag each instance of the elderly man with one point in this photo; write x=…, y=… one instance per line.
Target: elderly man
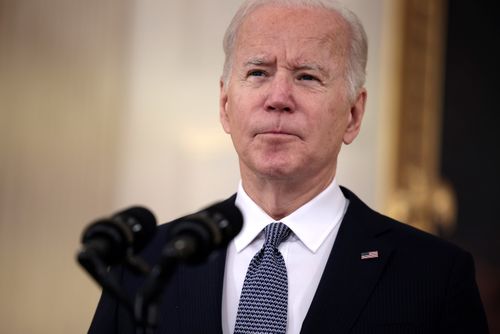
x=311, y=257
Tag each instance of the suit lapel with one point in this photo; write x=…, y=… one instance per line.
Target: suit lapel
x=200, y=295
x=348, y=280
x=200, y=292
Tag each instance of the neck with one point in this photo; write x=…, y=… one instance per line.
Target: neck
x=280, y=197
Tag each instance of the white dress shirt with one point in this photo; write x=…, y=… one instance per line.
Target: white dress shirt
x=306, y=251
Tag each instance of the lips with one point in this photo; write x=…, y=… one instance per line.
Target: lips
x=276, y=128
x=277, y=133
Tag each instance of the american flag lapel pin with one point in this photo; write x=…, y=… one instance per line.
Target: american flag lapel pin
x=369, y=255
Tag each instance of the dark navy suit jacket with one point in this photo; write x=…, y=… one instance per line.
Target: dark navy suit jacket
x=417, y=284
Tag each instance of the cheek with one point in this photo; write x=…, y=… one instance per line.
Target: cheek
x=331, y=127
x=241, y=113
x=237, y=123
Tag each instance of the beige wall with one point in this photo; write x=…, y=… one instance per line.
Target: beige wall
x=109, y=103
x=61, y=96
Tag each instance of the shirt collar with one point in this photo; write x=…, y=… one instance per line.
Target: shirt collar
x=311, y=223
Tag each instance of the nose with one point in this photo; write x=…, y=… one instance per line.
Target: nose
x=280, y=97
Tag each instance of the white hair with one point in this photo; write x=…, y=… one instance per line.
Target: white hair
x=357, y=51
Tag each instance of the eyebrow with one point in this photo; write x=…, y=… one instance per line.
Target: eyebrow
x=259, y=60
x=315, y=67
x=263, y=61
x=311, y=67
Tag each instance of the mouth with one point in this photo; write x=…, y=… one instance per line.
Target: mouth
x=277, y=134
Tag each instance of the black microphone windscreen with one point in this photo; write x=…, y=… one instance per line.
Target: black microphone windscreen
x=121, y=235
x=229, y=220
x=142, y=224
x=201, y=233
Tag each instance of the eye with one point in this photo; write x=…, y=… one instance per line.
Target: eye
x=307, y=77
x=256, y=73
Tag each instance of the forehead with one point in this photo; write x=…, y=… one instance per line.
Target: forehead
x=296, y=31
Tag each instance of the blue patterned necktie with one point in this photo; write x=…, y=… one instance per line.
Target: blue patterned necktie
x=264, y=297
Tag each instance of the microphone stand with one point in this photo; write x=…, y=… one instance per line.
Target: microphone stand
x=94, y=265
x=144, y=309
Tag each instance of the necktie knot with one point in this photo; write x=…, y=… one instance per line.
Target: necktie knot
x=275, y=233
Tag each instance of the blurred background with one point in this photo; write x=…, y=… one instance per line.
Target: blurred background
x=106, y=104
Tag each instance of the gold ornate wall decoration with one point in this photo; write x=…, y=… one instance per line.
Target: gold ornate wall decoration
x=419, y=196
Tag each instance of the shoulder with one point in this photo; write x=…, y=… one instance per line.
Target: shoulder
x=437, y=276
x=409, y=243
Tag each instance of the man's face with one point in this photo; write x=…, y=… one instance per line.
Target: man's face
x=286, y=105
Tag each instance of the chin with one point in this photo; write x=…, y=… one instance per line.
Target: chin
x=276, y=165
x=278, y=171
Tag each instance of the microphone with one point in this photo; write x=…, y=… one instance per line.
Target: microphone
x=193, y=237
x=114, y=240
x=190, y=239
x=118, y=237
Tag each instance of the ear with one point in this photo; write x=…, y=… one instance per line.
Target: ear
x=223, y=115
x=355, y=117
